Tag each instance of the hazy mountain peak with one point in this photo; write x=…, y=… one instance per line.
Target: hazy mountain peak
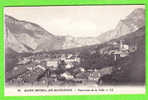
x=134, y=21
x=24, y=35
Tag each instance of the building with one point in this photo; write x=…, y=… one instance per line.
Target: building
x=67, y=76
x=94, y=76
x=69, y=65
x=53, y=63
x=23, y=60
x=123, y=46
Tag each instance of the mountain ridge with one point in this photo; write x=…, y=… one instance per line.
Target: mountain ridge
x=131, y=23
x=24, y=36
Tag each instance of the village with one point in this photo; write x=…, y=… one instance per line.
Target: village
x=66, y=69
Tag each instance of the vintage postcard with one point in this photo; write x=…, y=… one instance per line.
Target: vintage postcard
x=74, y=50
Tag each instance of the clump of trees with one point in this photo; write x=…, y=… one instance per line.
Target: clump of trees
x=95, y=60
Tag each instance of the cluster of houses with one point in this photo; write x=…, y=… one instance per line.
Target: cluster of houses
x=118, y=49
x=29, y=69
x=46, y=69
x=53, y=70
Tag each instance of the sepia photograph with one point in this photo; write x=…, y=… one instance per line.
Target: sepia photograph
x=74, y=49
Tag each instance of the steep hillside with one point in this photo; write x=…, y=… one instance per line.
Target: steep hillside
x=131, y=23
x=134, y=69
x=74, y=42
x=132, y=66
x=23, y=36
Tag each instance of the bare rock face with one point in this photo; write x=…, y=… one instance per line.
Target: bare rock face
x=23, y=36
x=13, y=43
x=131, y=23
x=74, y=42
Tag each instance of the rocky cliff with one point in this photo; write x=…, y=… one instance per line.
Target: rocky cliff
x=134, y=21
x=22, y=36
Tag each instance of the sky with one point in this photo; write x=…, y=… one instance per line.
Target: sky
x=78, y=21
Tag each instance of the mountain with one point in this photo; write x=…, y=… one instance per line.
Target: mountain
x=134, y=64
x=26, y=37
x=131, y=23
x=74, y=42
x=23, y=36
